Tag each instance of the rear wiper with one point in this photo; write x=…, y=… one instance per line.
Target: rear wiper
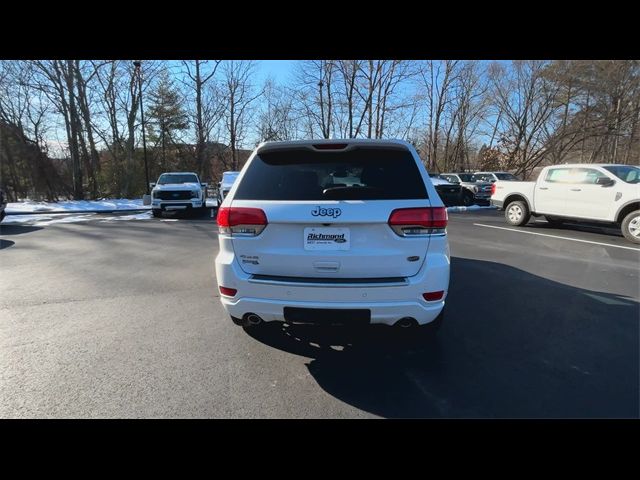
x=350, y=192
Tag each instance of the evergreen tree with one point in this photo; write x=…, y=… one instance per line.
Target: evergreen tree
x=166, y=115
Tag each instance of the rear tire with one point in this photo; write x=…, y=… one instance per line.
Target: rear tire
x=631, y=226
x=554, y=222
x=156, y=212
x=517, y=213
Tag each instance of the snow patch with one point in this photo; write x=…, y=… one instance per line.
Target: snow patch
x=76, y=206
x=41, y=220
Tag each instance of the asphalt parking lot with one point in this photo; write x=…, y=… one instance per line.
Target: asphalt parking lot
x=122, y=319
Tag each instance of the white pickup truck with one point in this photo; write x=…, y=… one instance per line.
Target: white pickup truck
x=178, y=191
x=228, y=179
x=581, y=192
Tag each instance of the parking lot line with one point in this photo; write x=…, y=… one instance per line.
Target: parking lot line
x=556, y=236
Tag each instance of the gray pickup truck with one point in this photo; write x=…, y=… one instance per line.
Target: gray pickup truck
x=481, y=190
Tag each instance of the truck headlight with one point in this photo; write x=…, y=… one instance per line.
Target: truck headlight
x=475, y=189
x=195, y=194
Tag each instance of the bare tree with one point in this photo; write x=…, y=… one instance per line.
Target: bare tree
x=316, y=92
x=207, y=107
x=437, y=80
x=239, y=94
x=527, y=100
x=277, y=119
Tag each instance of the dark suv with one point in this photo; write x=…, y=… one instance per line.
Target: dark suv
x=3, y=204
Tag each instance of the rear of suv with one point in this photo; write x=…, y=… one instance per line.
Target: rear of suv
x=333, y=232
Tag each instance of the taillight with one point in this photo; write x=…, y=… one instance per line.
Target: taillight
x=408, y=222
x=433, y=296
x=239, y=221
x=330, y=146
x=493, y=189
x=229, y=292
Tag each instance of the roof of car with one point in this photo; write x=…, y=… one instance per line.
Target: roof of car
x=179, y=173
x=586, y=165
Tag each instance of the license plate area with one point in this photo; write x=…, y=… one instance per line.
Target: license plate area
x=327, y=238
x=327, y=316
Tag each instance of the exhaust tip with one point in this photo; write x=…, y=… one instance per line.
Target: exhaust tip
x=406, y=322
x=253, y=319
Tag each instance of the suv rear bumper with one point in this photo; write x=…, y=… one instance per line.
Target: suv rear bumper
x=381, y=313
x=387, y=303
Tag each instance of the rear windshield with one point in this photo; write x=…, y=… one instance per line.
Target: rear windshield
x=359, y=174
x=506, y=176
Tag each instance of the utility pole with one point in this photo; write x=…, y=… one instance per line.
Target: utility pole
x=137, y=65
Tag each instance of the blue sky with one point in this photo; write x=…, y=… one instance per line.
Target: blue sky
x=279, y=70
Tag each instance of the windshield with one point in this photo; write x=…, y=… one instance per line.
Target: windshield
x=482, y=177
x=466, y=177
x=362, y=173
x=626, y=173
x=166, y=178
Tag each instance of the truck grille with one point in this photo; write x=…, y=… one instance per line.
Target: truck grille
x=174, y=195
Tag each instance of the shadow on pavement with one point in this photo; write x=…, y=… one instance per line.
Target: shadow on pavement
x=601, y=229
x=512, y=345
x=17, y=229
x=6, y=243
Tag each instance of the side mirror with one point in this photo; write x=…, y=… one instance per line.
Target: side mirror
x=152, y=184
x=605, y=181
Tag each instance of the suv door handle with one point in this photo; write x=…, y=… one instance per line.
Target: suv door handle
x=576, y=190
x=544, y=188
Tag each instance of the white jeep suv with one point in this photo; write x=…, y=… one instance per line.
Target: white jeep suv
x=333, y=232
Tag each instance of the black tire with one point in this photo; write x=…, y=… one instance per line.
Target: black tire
x=554, y=222
x=156, y=212
x=467, y=198
x=631, y=226
x=239, y=321
x=517, y=213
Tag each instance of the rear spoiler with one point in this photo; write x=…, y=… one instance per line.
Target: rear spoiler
x=331, y=145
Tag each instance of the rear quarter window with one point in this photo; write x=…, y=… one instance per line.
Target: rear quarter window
x=358, y=174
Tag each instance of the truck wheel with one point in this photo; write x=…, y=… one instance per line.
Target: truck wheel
x=631, y=226
x=467, y=199
x=517, y=213
x=156, y=212
x=554, y=222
